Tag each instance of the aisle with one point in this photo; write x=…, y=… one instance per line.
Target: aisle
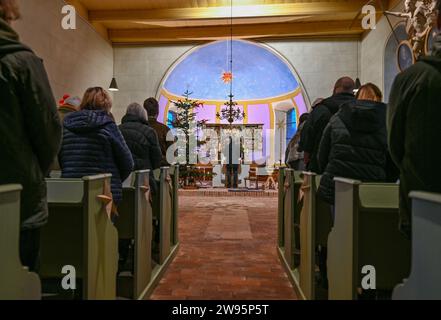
x=228, y=251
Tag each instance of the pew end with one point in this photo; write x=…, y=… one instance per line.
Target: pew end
x=135, y=222
x=17, y=283
x=80, y=233
x=365, y=233
x=424, y=282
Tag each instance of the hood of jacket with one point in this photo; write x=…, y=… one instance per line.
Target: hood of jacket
x=87, y=120
x=364, y=116
x=334, y=103
x=9, y=40
x=434, y=58
x=133, y=118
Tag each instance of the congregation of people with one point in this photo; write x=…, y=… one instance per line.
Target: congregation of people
x=79, y=137
x=354, y=134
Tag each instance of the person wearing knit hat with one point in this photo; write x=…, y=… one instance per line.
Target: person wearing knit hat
x=67, y=105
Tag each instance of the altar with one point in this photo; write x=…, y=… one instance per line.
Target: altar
x=247, y=140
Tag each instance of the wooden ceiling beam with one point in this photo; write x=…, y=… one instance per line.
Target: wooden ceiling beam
x=276, y=30
x=268, y=10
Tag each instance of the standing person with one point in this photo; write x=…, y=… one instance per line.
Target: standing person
x=30, y=131
x=414, y=117
x=319, y=119
x=141, y=139
x=293, y=157
x=151, y=105
x=353, y=145
x=92, y=143
x=68, y=105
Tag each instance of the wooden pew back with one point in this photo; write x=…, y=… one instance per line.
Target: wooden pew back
x=424, y=282
x=80, y=234
x=365, y=233
x=135, y=222
x=17, y=283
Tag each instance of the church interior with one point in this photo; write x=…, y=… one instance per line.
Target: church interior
x=220, y=150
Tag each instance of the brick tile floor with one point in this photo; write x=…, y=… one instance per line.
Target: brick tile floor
x=228, y=252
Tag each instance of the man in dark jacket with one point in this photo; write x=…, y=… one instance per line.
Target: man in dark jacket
x=30, y=130
x=414, y=118
x=141, y=139
x=151, y=105
x=319, y=118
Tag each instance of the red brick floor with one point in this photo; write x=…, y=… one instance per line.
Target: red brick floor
x=228, y=251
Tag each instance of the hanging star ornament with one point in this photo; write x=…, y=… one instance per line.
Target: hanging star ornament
x=227, y=77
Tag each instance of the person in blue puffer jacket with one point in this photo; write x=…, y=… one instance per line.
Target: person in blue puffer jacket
x=92, y=143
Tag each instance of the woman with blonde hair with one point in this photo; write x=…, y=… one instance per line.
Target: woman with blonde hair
x=92, y=143
x=354, y=144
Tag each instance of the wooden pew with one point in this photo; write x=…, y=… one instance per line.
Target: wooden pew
x=424, y=282
x=16, y=282
x=290, y=206
x=135, y=222
x=80, y=233
x=365, y=233
x=167, y=219
x=315, y=225
x=175, y=216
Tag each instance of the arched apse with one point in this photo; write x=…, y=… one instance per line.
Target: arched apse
x=391, y=69
x=266, y=86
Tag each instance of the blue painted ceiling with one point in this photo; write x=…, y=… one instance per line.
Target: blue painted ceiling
x=258, y=73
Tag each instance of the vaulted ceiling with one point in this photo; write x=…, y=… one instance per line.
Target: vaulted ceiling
x=161, y=21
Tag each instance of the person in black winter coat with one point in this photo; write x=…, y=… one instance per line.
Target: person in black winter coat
x=414, y=118
x=30, y=131
x=142, y=140
x=92, y=143
x=354, y=143
x=319, y=118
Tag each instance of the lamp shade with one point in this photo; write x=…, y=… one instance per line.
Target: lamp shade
x=113, y=85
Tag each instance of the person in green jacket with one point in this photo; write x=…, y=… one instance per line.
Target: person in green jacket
x=414, y=128
x=30, y=130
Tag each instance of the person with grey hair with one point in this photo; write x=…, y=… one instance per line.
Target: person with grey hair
x=142, y=140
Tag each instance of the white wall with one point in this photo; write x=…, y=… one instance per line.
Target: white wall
x=372, y=50
x=139, y=70
x=74, y=59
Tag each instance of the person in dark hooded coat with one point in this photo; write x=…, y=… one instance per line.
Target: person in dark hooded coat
x=354, y=144
x=30, y=131
x=92, y=143
x=319, y=118
x=414, y=127
x=141, y=139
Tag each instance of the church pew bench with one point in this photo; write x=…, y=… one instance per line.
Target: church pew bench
x=365, y=233
x=135, y=222
x=298, y=191
x=165, y=212
x=315, y=225
x=16, y=282
x=80, y=233
x=424, y=282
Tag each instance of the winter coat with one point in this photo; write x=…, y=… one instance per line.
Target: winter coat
x=414, y=125
x=318, y=120
x=354, y=145
x=142, y=141
x=30, y=129
x=92, y=144
x=292, y=154
x=162, y=131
